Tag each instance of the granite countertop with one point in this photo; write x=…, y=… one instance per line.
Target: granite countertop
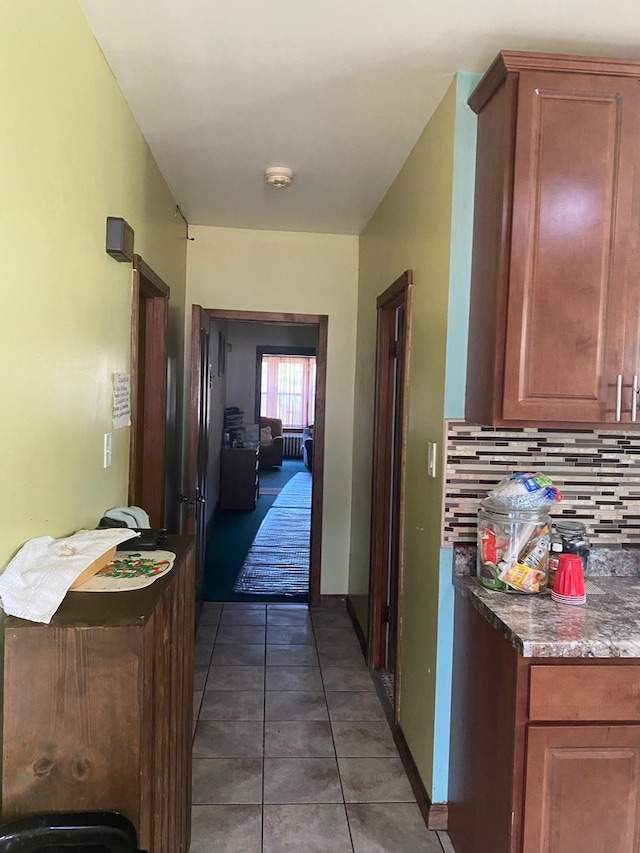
x=607, y=626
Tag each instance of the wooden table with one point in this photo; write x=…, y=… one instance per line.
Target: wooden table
x=98, y=707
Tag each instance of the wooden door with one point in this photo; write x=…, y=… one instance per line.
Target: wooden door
x=198, y=453
x=572, y=246
x=582, y=792
x=147, y=451
x=388, y=474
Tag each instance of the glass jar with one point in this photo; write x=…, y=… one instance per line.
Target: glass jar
x=513, y=548
x=573, y=535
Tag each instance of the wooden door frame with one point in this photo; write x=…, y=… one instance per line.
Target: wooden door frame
x=195, y=502
x=194, y=403
x=148, y=286
x=320, y=321
x=398, y=293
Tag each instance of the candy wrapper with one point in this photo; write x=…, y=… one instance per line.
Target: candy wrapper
x=521, y=577
x=504, y=565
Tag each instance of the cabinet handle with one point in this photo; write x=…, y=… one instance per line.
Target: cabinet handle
x=634, y=399
x=619, y=397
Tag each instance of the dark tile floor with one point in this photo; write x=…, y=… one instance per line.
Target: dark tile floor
x=292, y=752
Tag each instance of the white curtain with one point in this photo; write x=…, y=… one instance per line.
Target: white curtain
x=288, y=389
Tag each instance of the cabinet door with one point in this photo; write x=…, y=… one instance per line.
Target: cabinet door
x=582, y=791
x=572, y=246
x=71, y=717
x=238, y=478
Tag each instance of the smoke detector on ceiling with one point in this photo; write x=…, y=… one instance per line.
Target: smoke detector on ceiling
x=278, y=176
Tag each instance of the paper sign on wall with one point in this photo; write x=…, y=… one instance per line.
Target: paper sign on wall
x=121, y=400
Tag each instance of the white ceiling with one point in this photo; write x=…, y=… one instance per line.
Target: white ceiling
x=338, y=90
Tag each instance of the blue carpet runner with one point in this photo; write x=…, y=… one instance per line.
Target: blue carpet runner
x=278, y=560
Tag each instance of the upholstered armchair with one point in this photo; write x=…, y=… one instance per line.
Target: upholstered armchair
x=307, y=446
x=270, y=453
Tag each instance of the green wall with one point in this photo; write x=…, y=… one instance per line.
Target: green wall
x=411, y=229
x=71, y=155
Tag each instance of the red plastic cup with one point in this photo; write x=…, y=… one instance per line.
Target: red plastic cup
x=569, y=580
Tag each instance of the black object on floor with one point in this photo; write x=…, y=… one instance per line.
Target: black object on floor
x=69, y=832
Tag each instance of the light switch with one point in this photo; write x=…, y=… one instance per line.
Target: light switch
x=432, y=452
x=106, y=460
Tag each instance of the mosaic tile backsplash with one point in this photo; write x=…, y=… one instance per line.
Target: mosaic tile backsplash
x=598, y=474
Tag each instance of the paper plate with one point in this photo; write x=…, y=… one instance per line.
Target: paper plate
x=95, y=567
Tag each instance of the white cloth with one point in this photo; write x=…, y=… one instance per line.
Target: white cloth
x=133, y=516
x=36, y=580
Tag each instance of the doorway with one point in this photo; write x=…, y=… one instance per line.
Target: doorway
x=387, y=505
x=239, y=503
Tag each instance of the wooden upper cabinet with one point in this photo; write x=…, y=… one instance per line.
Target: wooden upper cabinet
x=554, y=325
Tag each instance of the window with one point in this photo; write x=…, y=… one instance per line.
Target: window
x=287, y=389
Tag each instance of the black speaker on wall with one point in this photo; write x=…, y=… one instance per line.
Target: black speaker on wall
x=119, y=239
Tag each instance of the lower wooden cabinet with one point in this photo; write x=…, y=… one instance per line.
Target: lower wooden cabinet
x=239, y=478
x=545, y=753
x=582, y=789
x=98, y=707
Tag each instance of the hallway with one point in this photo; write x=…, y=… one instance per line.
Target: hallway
x=292, y=751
